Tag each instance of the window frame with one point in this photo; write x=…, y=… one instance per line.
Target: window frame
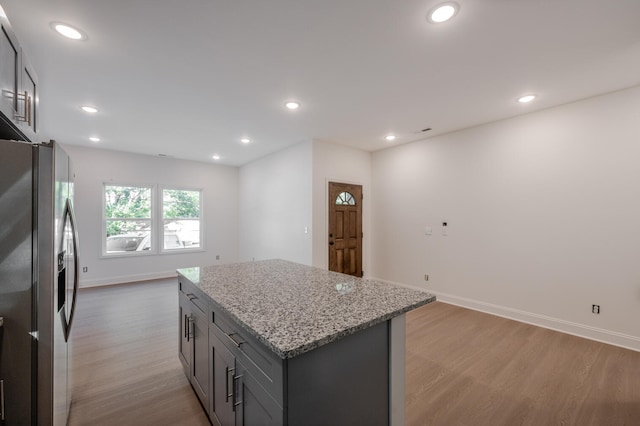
x=151, y=219
x=156, y=219
x=162, y=219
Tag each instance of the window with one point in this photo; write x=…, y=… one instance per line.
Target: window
x=132, y=225
x=345, y=199
x=181, y=219
x=127, y=219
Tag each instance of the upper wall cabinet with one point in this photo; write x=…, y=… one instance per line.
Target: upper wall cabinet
x=19, y=85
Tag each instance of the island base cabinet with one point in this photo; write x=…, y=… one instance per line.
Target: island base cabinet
x=193, y=343
x=343, y=383
x=184, y=339
x=237, y=398
x=240, y=381
x=222, y=409
x=200, y=360
x=254, y=405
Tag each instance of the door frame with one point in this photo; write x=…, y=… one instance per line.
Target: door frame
x=325, y=239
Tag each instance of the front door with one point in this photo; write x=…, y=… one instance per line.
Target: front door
x=345, y=228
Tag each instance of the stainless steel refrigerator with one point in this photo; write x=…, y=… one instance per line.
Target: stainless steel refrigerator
x=38, y=283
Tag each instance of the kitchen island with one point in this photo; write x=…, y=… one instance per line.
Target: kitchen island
x=275, y=342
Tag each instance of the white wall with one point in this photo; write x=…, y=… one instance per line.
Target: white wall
x=543, y=213
x=94, y=167
x=336, y=163
x=275, y=206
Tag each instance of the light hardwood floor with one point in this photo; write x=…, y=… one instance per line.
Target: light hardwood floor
x=469, y=368
x=125, y=358
x=463, y=367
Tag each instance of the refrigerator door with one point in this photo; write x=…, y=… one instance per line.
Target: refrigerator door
x=17, y=345
x=56, y=251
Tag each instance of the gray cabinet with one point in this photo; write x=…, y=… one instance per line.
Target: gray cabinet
x=9, y=70
x=28, y=98
x=239, y=381
x=226, y=368
x=222, y=409
x=200, y=359
x=239, y=395
x=254, y=405
x=19, y=87
x=184, y=338
x=193, y=341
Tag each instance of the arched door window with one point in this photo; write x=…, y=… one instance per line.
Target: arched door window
x=345, y=199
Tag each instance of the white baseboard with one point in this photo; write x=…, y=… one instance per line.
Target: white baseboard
x=592, y=333
x=96, y=282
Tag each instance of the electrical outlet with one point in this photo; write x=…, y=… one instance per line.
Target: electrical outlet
x=426, y=277
x=85, y=269
x=217, y=257
x=595, y=309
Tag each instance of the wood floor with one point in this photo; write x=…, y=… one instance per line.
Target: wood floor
x=125, y=358
x=469, y=368
x=463, y=368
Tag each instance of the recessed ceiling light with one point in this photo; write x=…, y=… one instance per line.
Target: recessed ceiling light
x=68, y=31
x=390, y=137
x=526, y=98
x=216, y=157
x=94, y=139
x=292, y=104
x=245, y=140
x=443, y=12
x=89, y=109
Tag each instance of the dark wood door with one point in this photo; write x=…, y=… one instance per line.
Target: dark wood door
x=345, y=228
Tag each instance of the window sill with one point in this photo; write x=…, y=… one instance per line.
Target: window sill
x=149, y=253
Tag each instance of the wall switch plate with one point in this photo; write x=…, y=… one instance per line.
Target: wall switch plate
x=426, y=277
x=444, y=228
x=85, y=269
x=595, y=309
x=217, y=257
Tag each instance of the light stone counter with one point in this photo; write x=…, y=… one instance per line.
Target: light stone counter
x=293, y=308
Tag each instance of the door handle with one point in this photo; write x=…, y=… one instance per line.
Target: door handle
x=331, y=243
x=76, y=266
x=234, y=398
x=226, y=386
x=189, y=328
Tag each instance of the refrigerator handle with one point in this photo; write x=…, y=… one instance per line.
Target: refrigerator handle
x=76, y=264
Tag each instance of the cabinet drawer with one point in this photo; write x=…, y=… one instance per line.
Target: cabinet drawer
x=196, y=296
x=262, y=363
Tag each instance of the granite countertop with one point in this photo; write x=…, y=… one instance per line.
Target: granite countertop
x=294, y=308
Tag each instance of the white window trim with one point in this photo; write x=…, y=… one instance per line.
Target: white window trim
x=157, y=222
x=103, y=237
x=161, y=220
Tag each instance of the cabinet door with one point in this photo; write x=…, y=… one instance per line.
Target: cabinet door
x=184, y=343
x=200, y=359
x=254, y=406
x=27, y=100
x=223, y=373
x=9, y=70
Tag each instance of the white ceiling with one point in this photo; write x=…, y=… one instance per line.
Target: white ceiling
x=190, y=78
